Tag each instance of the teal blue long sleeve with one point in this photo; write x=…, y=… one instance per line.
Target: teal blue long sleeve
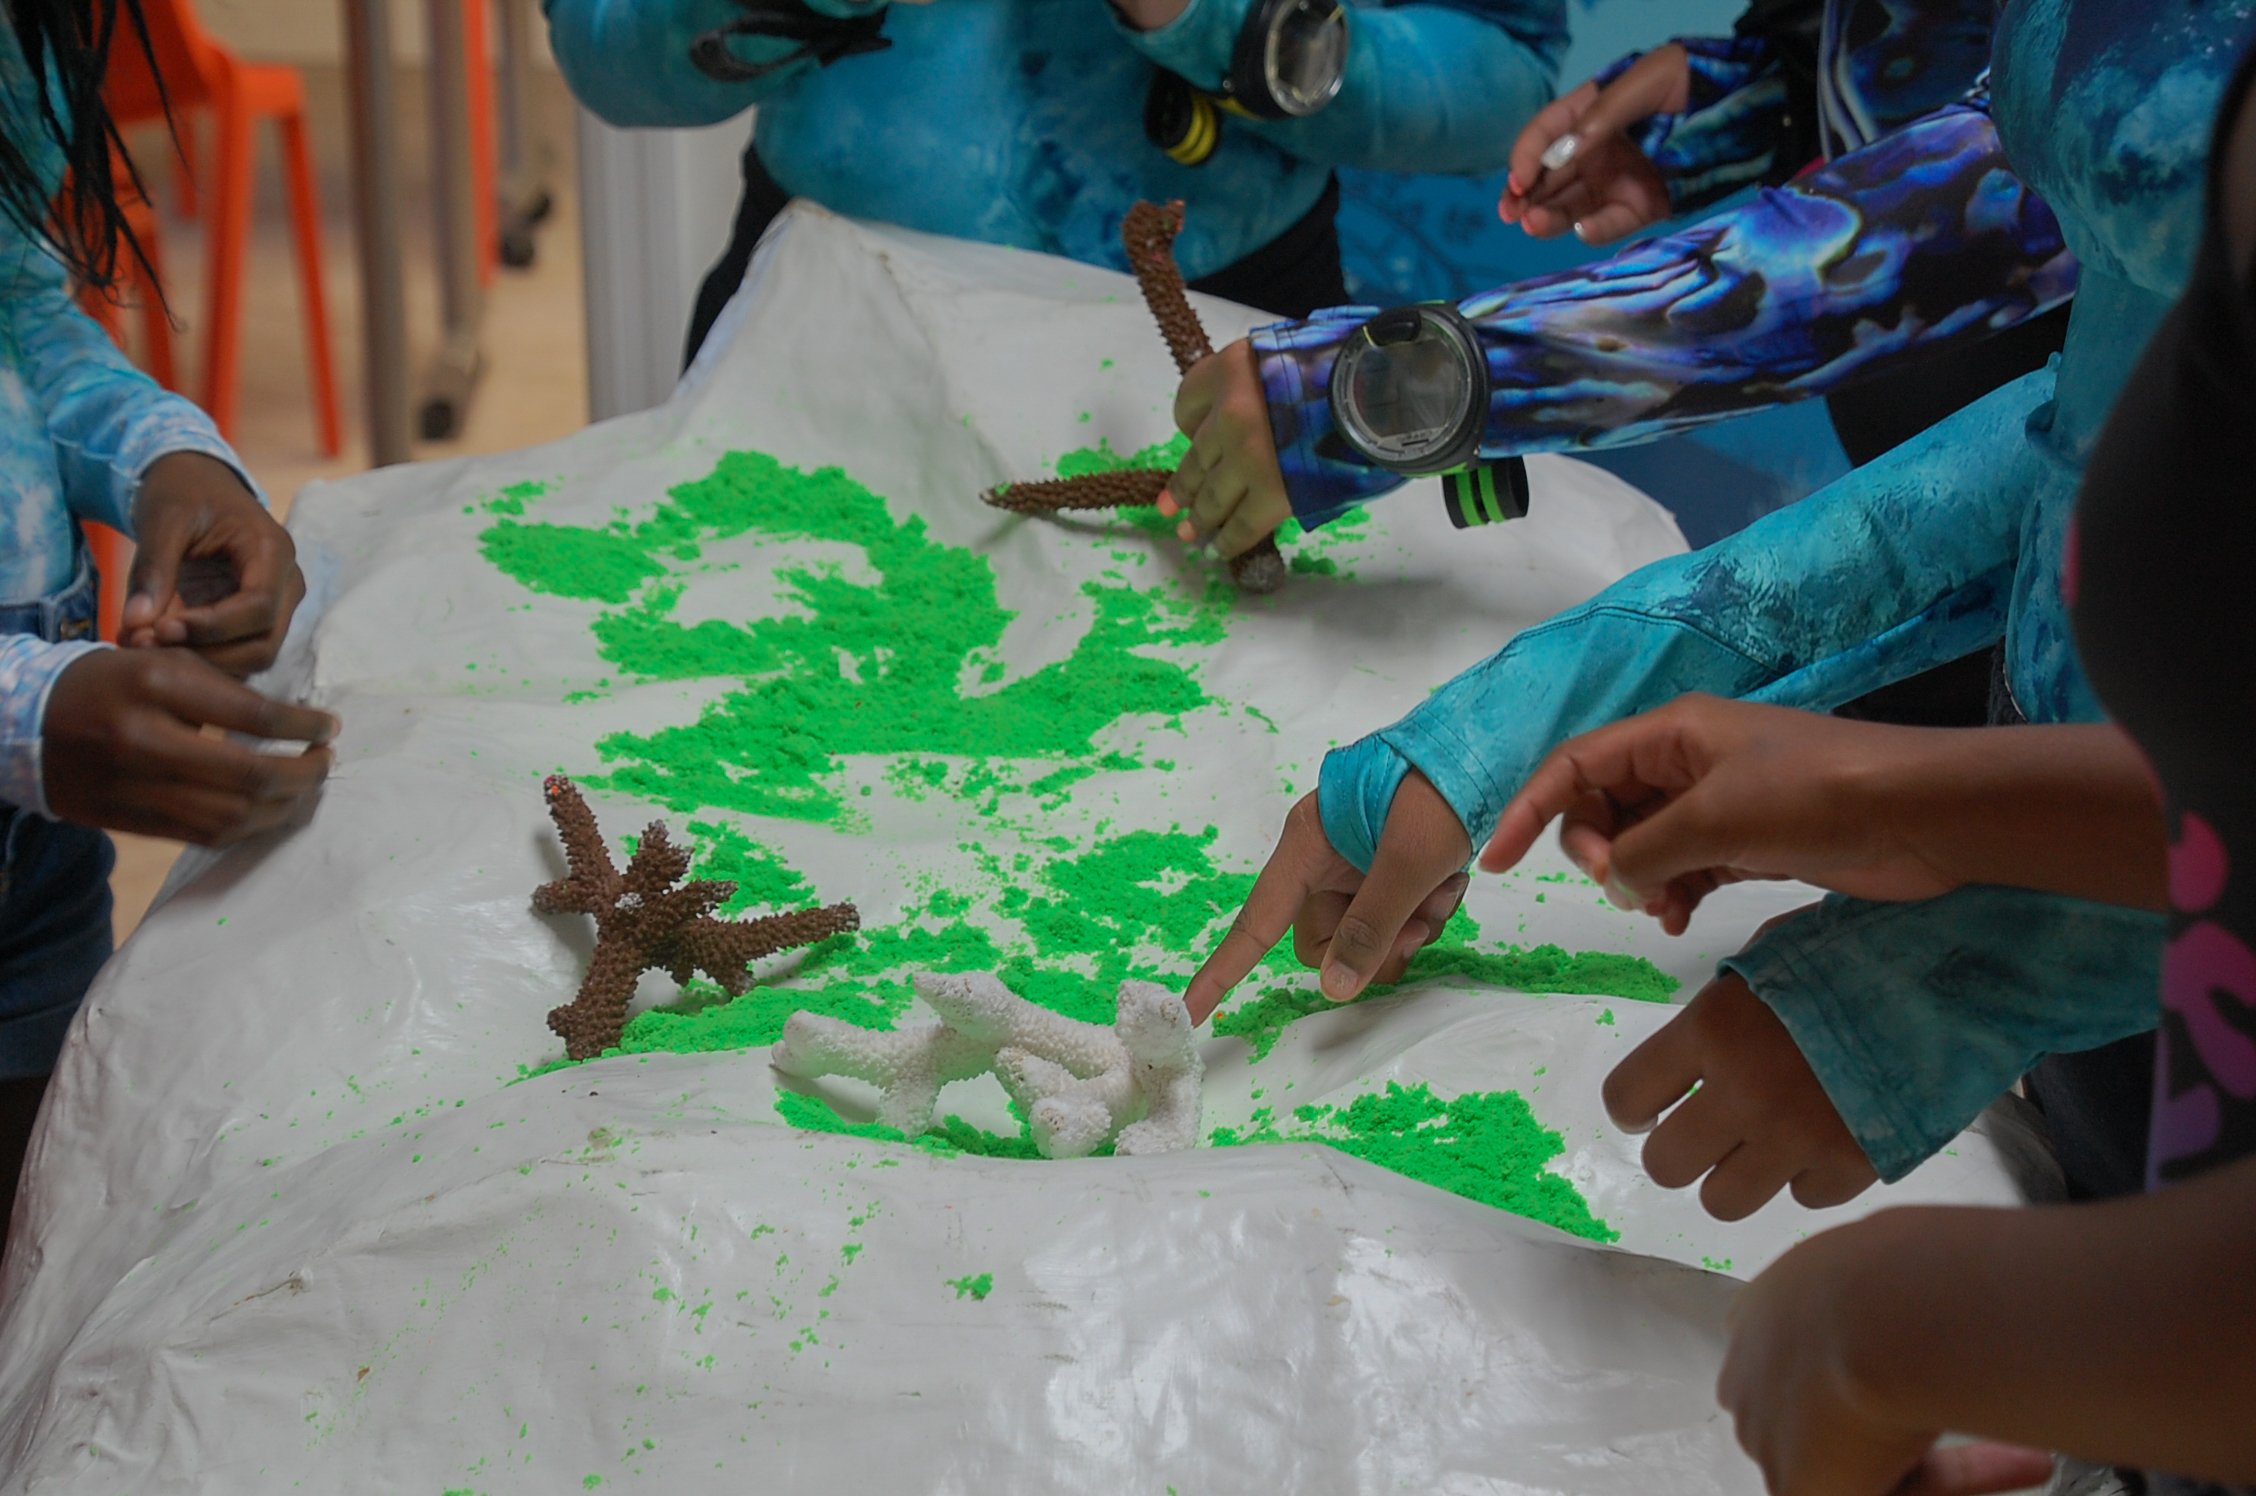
x=1020, y=122
x=1913, y=557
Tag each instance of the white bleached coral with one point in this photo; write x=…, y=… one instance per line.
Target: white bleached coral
x=1135, y=1084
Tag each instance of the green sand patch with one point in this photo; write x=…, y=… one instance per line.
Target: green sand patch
x=901, y=664
x=1486, y=1146
x=1262, y=1019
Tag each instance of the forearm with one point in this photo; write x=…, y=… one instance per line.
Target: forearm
x=1749, y=309
x=1911, y=556
x=1428, y=87
x=2069, y=809
x=2117, y=1332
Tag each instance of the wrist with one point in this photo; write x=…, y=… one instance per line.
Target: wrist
x=1150, y=15
x=189, y=475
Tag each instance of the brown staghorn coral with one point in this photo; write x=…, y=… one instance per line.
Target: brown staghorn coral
x=1148, y=234
x=1129, y=488
x=648, y=919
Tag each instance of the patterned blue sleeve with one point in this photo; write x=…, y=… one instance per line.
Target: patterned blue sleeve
x=1922, y=241
x=629, y=60
x=1729, y=133
x=106, y=421
x=28, y=669
x=1429, y=87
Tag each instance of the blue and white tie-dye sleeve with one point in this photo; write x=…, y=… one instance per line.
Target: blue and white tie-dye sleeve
x=29, y=667
x=103, y=421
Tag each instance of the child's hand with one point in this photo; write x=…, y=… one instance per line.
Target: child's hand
x=1357, y=929
x=212, y=571
x=125, y=749
x=1758, y=1123
x=1662, y=808
x=1229, y=487
x=1572, y=166
x=1791, y=1384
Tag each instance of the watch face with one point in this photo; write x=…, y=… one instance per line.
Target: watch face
x=1306, y=58
x=1407, y=403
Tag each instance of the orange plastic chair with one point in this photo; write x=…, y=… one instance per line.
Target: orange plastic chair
x=201, y=75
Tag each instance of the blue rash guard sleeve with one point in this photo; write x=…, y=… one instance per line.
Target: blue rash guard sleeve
x=629, y=60
x=1429, y=87
x=1922, y=241
x=1914, y=554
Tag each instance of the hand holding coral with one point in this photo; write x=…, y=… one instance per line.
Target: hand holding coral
x=1229, y=486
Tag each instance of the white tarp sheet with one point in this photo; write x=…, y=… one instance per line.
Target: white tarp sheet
x=295, y=1222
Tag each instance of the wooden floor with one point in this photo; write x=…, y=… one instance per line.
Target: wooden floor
x=535, y=389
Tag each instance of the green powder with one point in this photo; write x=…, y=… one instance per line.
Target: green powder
x=569, y=561
x=976, y=1288
x=1484, y=1145
x=948, y=1137
x=1263, y=1019
x=857, y=667
x=762, y=882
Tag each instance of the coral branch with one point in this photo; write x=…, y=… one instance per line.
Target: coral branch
x=1148, y=233
x=1129, y=488
x=648, y=919
x=1079, y=1084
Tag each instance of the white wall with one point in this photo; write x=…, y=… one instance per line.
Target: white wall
x=656, y=207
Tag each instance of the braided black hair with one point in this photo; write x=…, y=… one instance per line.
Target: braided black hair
x=66, y=45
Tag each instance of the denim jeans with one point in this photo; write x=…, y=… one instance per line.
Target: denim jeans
x=54, y=884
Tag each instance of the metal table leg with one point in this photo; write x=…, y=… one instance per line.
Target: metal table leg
x=376, y=200
x=454, y=373
x=526, y=201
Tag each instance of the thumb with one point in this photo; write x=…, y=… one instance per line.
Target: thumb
x=154, y=582
x=1979, y=1469
x=1409, y=867
x=1202, y=386
x=1702, y=828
